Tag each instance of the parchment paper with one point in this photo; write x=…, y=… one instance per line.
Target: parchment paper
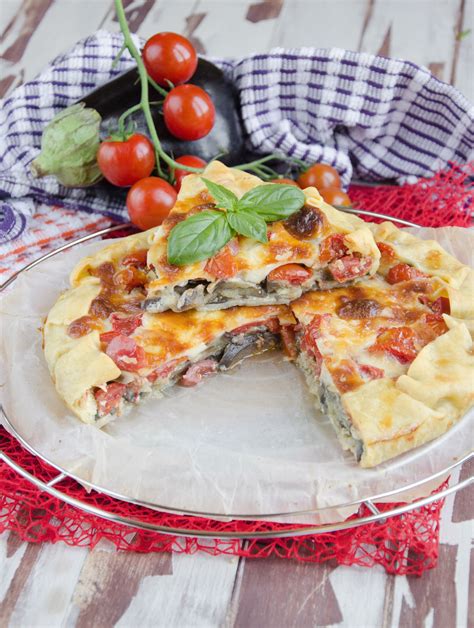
x=244, y=442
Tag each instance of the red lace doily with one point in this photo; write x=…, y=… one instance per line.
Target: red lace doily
x=447, y=199
x=407, y=544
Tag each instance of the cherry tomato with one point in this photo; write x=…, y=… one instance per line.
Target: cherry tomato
x=169, y=56
x=403, y=272
x=332, y=247
x=108, y=399
x=398, y=342
x=222, y=265
x=284, y=181
x=126, y=354
x=125, y=163
x=138, y=258
x=335, y=196
x=319, y=176
x=188, y=112
x=149, y=201
x=292, y=273
x=186, y=160
x=349, y=267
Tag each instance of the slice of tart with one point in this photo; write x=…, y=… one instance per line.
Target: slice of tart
x=317, y=247
x=105, y=354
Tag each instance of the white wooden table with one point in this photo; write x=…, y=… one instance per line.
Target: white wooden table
x=55, y=585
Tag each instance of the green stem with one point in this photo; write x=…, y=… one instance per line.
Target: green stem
x=124, y=116
x=158, y=88
x=144, y=100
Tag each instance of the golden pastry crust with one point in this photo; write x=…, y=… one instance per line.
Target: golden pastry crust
x=425, y=255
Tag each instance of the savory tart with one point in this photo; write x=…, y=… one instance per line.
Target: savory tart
x=390, y=359
x=316, y=247
x=389, y=356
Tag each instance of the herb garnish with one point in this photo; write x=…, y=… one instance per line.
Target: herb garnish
x=202, y=235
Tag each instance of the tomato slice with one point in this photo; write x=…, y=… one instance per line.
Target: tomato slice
x=400, y=342
x=162, y=371
x=81, y=326
x=129, y=278
x=107, y=336
x=125, y=325
x=403, y=272
x=332, y=247
x=288, y=340
x=222, y=265
x=108, y=399
x=348, y=267
x=440, y=306
x=197, y=371
x=272, y=324
x=309, y=341
x=371, y=372
x=138, y=258
x=126, y=354
x=386, y=251
x=294, y=274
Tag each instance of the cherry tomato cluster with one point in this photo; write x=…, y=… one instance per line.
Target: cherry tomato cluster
x=328, y=182
x=323, y=177
x=188, y=112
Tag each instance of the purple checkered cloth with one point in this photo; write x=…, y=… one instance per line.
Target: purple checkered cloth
x=370, y=116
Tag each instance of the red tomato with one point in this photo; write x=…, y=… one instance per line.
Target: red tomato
x=126, y=354
x=371, y=372
x=349, y=267
x=197, y=371
x=162, y=372
x=186, y=160
x=335, y=196
x=149, y=201
x=109, y=398
x=319, y=176
x=284, y=181
x=138, y=258
x=129, y=278
x=288, y=341
x=125, y=163
x=222, y=265
x=125, y=325
x=188, y=112
x=272, y=324
x=169, y=56
x=403, y=272
x=332, y=247
x=309, y=342
x=386, y=251
x=81, y=327
x=398, y=342
x=292, y=273
x=107, y=336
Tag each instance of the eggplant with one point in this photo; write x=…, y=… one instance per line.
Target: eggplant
x=227, y=135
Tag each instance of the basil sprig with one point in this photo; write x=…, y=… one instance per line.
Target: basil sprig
x=202, y=235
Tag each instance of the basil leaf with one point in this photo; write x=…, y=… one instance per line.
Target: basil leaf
x=198, y=237
x=224, y=198
x=248, y=224
x=273, y=201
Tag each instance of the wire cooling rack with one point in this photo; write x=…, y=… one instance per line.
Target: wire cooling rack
x=51, y=486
